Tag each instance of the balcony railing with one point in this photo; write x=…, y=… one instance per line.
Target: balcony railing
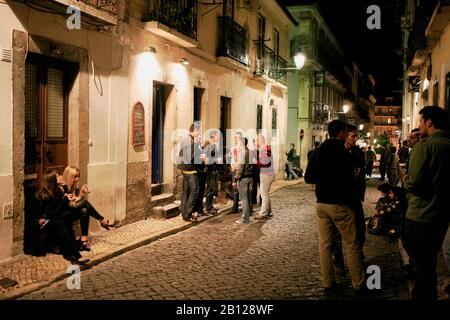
x=232, y=40
x=281, y=64
x=265, y=60
x=108, y=6
x=270, y=64
x=321, y=113
x=175, y=14
x=98, y=12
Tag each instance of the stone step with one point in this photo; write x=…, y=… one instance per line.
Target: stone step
x=166, y=212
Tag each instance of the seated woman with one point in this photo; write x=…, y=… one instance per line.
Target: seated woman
x=53, y=205
x=387, y=218
x=81, y=209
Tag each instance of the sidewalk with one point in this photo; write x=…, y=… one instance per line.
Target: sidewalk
x=34, y=273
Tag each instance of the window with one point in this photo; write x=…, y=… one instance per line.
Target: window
x=274, y=122
x=276, y=42
x=228, y=8
x=259, y=109
x=261, y=27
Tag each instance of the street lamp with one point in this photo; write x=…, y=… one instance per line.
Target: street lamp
x=299, y=61
x=345, y=108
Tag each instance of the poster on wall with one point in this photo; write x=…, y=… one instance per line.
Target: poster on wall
x=138, y=125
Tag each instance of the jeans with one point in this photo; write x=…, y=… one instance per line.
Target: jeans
x=244, y=187
x=83, y=213
x=255, y=185
x=331, y=217
x=211, y=179
x=189, y=196
x=369, y=167
x=423, y=241
x=235, y=207
x=290, y=170
x=201, y=192
x=266, y=181
x=58, y=230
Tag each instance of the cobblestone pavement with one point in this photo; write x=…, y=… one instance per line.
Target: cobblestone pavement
x=33, y=272
x=219, y=259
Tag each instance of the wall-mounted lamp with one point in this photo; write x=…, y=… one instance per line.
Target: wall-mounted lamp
x=345, y=108
x=299, y=61
x=151, y=49
x=361, y=127
x=184, y=61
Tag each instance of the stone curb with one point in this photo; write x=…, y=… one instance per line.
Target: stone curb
x=121, y=249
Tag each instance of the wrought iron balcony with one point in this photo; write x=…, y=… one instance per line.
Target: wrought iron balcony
x=232, y=40
x=176, y=14
x=280, y=64
x=95, y=11
x=108, y=6
x=321, y=113
x=270, y=64
x=265, y=58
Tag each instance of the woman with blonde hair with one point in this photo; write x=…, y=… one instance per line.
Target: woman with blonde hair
x=53, y=207
x=80, y=207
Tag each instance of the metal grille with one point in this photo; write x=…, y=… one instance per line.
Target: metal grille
x=55, y=104
x=32, y=114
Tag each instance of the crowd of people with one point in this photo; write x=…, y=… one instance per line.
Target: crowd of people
x=245, y=169
x=412, y=206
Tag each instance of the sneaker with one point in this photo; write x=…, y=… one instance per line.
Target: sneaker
x=241, y=222
x=194, y=217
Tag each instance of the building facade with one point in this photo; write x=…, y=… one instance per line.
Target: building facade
x=387, y=121
x=427, y=59
x=327, y=83
x=114, y=95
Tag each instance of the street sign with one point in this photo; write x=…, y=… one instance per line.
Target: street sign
x=302, y=134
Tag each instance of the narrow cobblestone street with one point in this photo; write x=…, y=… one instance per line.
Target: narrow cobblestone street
x=274, y=259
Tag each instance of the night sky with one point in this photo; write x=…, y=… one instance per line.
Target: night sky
x=378, y=52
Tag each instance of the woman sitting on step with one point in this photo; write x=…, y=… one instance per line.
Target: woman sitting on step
x=53, y=205
x=81, y=209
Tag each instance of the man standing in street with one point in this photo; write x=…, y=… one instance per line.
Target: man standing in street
x=290, y=163
x=190, y=159
x=370, y=159
x=331, y=171
x=266, y=176
x=428, y=214
x=358, y=164
x=244, y=180
x=213, y=160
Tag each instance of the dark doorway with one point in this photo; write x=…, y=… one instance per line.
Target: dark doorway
x=47, y=86
x=436, y=94
x=225, y=120
x=447, y=93
x=198, y=94
x=160, y=95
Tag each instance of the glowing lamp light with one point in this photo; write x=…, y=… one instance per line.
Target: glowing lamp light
x=299, y=60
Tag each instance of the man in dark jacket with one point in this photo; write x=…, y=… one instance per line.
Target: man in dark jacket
x=214, y=159
x=331, y=171
x=244, y=180
x=190, y=158
x=428, y=213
